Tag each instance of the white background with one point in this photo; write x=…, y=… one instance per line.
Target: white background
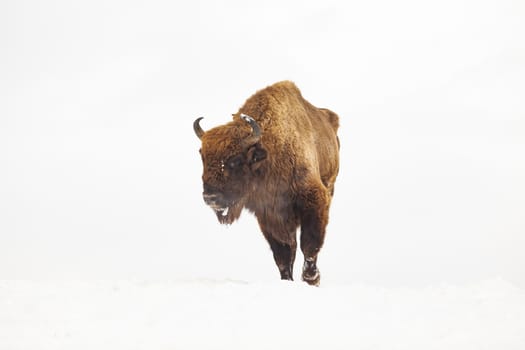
x=99, y=170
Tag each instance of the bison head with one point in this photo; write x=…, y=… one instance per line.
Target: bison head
x=232, y=155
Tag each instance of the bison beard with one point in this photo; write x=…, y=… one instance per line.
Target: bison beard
x=278, y=158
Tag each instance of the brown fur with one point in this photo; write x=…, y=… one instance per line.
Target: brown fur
x=286, y=179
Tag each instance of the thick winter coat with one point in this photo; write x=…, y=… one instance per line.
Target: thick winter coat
x=278, y=158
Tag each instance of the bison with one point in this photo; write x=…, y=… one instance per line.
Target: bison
x=278, y=158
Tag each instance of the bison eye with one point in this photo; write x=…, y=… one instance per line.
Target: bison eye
x=234, y=162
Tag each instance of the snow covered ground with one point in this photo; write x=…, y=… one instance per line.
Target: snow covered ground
x=213, y=314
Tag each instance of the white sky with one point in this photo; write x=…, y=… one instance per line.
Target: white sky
x=99, y=170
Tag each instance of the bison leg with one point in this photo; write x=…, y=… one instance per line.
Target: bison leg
x=284, y=256
x=314, y=218
x=311, y=243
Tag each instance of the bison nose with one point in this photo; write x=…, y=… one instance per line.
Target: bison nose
x=209, y=191
x=209, y=198
x=211, y=195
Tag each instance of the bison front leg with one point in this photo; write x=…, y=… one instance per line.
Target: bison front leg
x=284, y=256
x=314, y=218
x=283, y=253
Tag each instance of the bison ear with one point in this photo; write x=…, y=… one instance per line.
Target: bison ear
x=256, y=154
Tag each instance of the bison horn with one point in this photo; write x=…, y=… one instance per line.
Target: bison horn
x=256, y=130
x=197, y=128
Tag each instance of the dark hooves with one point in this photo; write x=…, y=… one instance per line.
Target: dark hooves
x=313, y=281
x=313, y=277
x=287, y=275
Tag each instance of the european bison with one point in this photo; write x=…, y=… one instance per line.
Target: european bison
x=279, y=158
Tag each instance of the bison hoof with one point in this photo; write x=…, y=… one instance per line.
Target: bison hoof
x=286, y=274
x=287, y=277
x=311, y=274
x=314, y=280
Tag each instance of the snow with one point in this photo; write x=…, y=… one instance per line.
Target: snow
x=100, y=174
x=213, y=314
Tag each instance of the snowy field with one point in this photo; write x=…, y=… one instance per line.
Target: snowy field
x=100, y=183
x=207, y=314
